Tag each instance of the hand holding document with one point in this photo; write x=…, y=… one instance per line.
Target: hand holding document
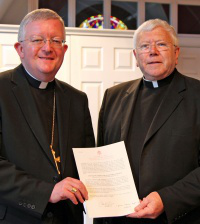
x=107, y=175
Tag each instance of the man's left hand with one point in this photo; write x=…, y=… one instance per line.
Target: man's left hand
x=150, y=207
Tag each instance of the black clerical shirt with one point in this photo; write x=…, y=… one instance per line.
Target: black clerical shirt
x=149, y=98
x=43, y=94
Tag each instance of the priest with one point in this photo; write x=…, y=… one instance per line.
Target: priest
x=158, y=117
x=41, y=120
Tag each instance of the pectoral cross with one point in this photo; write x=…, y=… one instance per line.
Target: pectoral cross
x=56, y=159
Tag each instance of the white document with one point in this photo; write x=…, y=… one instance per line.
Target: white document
x=107, y=175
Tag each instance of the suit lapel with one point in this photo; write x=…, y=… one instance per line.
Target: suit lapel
x=22, y=93
x=63, y=112
x=170, y=102
x=127, y=105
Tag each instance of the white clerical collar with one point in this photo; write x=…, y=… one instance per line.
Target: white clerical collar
x=158, y=83
x=40, y=84
x=154, y=83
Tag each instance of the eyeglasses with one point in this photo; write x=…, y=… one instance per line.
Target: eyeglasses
x=160, y=46
x=40, y=41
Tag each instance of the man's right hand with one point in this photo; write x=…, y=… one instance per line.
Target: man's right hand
x=63, y=191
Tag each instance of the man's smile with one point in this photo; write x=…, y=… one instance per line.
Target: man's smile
x=46, y=58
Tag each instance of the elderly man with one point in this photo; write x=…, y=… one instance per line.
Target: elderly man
x=158, y=117
x=41, y=119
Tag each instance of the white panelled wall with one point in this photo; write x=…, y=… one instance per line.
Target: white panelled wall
x=99, y=59
x=99, y=62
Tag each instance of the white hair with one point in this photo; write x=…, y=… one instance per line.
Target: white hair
x=38, y=14
x=149, y=25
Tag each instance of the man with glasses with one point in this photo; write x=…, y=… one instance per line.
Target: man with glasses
x=158, y=117
x=41, y=120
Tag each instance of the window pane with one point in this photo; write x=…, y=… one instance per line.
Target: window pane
x=59, y=6
x=191, y=25
x=157, y=10
x=85, y=9
x=126, y=12
x=9, y=8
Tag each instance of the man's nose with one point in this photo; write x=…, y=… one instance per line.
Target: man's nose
x=47, y=44
x=153, y=48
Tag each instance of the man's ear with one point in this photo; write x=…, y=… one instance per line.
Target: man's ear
x=20, y=49
x=65, y=47
x=135, y=58
x=177, y=52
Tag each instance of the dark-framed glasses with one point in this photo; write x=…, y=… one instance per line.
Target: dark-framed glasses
x=160, y=46
x=38, y=41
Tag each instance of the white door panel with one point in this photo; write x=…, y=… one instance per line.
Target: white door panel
x=99, y=63
x=189, y=62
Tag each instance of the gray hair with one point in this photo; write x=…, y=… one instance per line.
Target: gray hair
x=151, y=24
x=38, y=14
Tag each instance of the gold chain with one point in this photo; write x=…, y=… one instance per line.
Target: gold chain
x=56, y=159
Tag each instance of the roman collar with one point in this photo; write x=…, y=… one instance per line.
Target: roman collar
x=158, y=83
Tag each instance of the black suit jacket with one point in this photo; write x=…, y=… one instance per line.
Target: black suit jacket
x=27, y=168
x=169, y=161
